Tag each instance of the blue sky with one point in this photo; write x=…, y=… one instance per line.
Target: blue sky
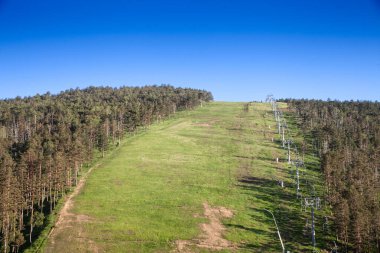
x=239, y=50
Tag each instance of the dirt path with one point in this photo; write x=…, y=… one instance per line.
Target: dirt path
x=66, y=219
x=212, y=232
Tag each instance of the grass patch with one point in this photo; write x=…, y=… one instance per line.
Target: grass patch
x=149, y=192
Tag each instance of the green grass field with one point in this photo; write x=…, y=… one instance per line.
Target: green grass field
x=150, y=191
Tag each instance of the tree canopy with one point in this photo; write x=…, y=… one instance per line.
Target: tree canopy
x=346, y=136
x=45, y=140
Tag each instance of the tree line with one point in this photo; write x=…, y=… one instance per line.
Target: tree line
x=346, y=136
x=46, y=139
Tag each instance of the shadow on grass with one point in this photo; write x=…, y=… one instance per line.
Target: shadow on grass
x=253, y=230
x=254, y=182
x=285, y=208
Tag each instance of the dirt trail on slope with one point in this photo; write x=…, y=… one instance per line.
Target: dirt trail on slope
x=212, y=232
x=66, y=219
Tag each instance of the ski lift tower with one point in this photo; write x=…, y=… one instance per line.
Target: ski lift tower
x=298, y=164
x=314, y=203
x=289, y=142
x=283, y=126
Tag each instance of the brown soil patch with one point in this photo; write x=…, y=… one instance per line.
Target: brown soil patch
x=67, y=219
x=183, y=246
x=212, y=232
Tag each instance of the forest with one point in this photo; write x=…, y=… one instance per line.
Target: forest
x=45, y=141
x=346, y=137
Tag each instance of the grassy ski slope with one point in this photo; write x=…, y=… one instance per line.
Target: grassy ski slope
x=174, y=187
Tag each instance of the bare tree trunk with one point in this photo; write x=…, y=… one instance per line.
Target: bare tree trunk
x=31, y=221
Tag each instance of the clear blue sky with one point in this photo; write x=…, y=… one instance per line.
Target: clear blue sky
x=239, y=50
